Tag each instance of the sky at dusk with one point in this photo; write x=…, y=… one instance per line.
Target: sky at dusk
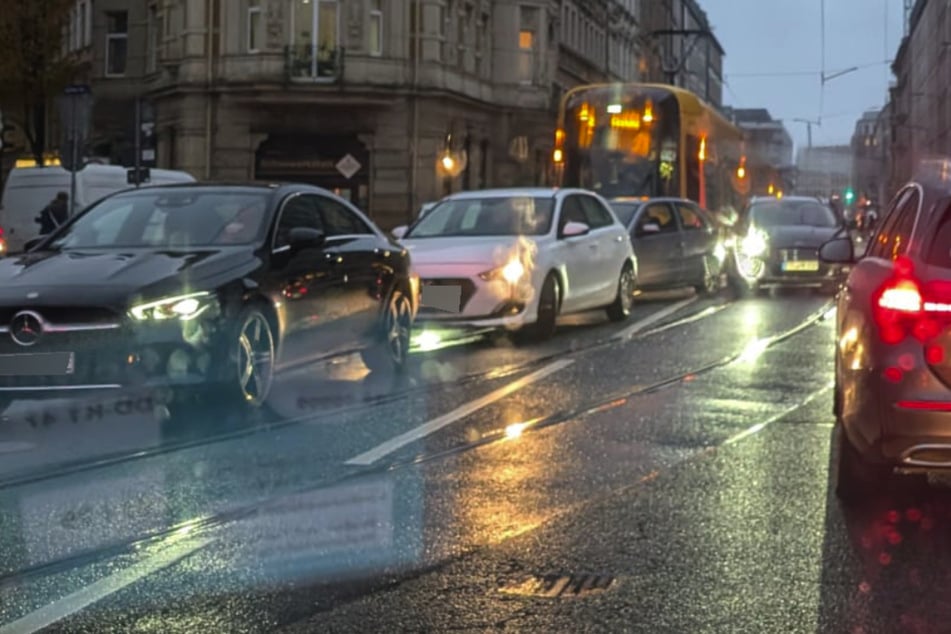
x=774, y=59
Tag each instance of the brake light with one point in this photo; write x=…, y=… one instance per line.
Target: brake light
x=902, y=309
x=902, y=296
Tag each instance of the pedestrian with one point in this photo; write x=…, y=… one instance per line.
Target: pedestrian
x=54, y=214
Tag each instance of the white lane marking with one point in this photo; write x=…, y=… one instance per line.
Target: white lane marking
x=81, y=599
x=434, y=425
x=758, y=427
x=653, y=318
x=703, y=314
x=16, y=447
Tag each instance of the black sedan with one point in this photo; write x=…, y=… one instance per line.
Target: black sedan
x=202, y=285
x=777, y=244
x=676, y=243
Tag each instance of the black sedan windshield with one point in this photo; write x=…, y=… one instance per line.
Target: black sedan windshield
x=487, y=217
x=784, y=213
x=178, y=217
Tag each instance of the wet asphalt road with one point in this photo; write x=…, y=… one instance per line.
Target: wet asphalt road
x=670, y=474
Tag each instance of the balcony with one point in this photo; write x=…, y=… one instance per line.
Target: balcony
x=309, y=64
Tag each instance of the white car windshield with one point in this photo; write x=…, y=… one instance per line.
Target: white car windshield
x=496, y=216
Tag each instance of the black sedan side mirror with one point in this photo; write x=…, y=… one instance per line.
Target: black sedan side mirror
x=306, y=238
x=837, y=251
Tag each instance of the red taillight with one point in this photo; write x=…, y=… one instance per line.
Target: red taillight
x=902, y=296
x=902, y=308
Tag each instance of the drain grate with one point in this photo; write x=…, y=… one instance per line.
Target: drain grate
x=557, y=586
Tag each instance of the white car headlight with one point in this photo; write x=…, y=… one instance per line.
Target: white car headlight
x=182, y=307
x=512, y=272
x=755, y=244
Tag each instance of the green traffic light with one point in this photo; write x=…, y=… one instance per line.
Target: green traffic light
x=849, y=195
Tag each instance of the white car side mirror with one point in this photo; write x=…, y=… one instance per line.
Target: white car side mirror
x=400, y=231
x=575, y=229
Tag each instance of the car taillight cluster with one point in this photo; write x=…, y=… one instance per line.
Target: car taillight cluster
x=903, y=308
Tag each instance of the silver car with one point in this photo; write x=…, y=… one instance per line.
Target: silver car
x=892, y=365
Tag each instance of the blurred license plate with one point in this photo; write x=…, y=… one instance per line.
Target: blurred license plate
x=37, y=364
x=801, y=265
x=445, y=298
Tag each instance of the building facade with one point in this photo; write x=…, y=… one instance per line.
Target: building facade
x=681, y=49
x=390, y=103
x=868, y=156
x=769, y=150
x=920, y=111
x=823, y=170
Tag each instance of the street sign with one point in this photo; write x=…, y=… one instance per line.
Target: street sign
x=144, y=175
x=78, y=89
x=348, y=166
x=75, y=115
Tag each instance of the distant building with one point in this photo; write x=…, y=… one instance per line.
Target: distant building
x=688, y=55
x=769, y=150
x=920, y=100
x=868, y=157
x=824, y=170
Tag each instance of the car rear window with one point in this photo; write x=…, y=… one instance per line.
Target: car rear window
x=939, y=253
x=777, y=213
x=625, y=211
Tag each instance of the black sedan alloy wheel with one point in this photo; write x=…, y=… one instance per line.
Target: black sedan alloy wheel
x=254, y=358
x=390, y=354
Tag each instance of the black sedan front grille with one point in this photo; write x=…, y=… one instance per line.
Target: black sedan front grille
x=63, y=314
x=99, y=357
x=798, y=255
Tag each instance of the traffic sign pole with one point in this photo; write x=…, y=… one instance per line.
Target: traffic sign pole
x=74, y=156
x=138, y=141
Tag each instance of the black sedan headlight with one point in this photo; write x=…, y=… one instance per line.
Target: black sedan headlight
x=755, y=244
x=182, y=307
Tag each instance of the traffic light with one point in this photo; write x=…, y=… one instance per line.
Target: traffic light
x=849, y=196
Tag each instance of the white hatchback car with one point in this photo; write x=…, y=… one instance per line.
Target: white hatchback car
x=517, y=258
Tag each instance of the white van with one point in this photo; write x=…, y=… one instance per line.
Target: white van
x=29, y=190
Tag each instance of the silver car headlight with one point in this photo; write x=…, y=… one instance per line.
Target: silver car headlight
x=183, y=307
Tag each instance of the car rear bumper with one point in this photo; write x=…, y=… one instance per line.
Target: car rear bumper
x=907, y=416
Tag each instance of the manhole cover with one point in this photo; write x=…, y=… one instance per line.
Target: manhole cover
x=559, y=585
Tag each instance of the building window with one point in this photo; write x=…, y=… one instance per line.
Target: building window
x=376, y=27
x=255, y=26
x=154, y=37
x=315, y=40
x=527, y=43
x=483, y=61
x=117, y=40
x=82, y=25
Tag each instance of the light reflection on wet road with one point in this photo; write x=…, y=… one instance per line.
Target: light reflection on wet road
x=648, y=460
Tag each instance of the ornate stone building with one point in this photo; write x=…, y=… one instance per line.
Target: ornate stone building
x=391, y=103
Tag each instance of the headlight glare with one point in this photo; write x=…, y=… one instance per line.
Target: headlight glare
x=512, y=272
x=182, y=307
x=755, y=244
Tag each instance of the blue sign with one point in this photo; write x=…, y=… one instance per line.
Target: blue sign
x=78, y=89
